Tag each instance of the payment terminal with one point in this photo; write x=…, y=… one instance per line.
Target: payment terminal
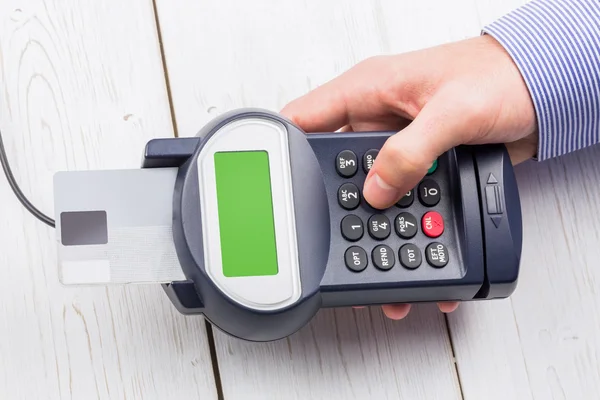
x=259, y=225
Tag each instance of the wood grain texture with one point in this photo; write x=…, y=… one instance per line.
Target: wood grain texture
x=543, y=342
x=345, y=354
x=222, y=55
x=82, y=86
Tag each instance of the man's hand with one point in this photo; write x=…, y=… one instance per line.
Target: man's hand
x=468, y=92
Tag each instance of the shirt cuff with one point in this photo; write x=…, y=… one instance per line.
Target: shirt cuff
x=556, y=45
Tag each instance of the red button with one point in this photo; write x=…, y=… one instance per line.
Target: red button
x=432, y=224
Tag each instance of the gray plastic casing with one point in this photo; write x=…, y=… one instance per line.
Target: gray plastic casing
x=485, y=257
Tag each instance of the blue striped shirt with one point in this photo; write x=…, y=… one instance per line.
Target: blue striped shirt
x=556, y=46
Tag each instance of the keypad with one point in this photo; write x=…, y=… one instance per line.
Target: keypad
x=409, y=238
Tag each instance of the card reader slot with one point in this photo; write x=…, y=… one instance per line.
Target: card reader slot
x=169, y=152
x=468, y=218
x=501, y=219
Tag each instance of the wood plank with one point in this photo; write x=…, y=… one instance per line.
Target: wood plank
x=544, y=341
x=223, y=55
x=345, y=354
x=82, y=86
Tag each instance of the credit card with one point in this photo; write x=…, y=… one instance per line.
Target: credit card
x=115, y=226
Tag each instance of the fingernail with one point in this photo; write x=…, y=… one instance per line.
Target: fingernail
x=448, y=307
x=378, y=192
x=396, y=311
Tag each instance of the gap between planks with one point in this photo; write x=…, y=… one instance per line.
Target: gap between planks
x=165, y=70
x=209, y=330
x=454, y=360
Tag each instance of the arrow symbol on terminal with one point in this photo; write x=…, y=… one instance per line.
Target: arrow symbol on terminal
x=492, y=179
x=496, y=220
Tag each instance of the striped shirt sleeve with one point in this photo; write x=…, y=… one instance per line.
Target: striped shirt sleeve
x=556, y=46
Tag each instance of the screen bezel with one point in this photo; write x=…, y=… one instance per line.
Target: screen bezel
x=257, y=292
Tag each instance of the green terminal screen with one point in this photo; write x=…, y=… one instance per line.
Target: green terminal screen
x=245, y=207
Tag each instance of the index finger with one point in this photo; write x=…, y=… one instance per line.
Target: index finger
x=353, y=96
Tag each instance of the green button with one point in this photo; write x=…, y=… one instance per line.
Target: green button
x=432, y=168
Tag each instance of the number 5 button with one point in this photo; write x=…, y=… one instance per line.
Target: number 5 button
x=429, y=193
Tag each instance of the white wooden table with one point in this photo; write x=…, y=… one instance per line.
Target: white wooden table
x=84, y=84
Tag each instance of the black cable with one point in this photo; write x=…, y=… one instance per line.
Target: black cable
x=15, y=187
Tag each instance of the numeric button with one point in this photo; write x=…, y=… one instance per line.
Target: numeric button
x=429, y=193
x=356, y=259
x=379, y=227
x=407, y=200
x=349, y=196
x=383, y=257
x=406, y=225
x=437, y=255
x=346, y=163
x=410, y=256
x=352, y=228
x=369, y=159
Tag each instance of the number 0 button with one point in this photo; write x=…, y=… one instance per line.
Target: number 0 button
x=352, y=228
x=349, y=196
x=429, y=193
x=346, y=163
x=356, y=259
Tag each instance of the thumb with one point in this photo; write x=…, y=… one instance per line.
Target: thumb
x=406, y=156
